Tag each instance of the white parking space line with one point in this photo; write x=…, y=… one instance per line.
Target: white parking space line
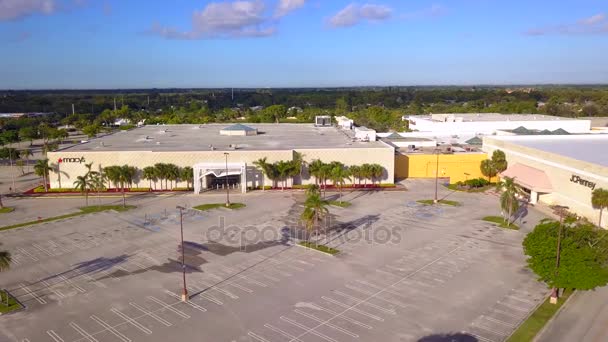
x=218, y=289
x=131, y=321
x=52, y=289
x=90, y=279
x=277, y=330
x=83, y=332
x=23, y=251
x=510, y=314
x=333, y=326
x=32, y=294
x=54, y=336
x=364, y=313
x=392, y=301
x=377, y=307
x=348, y=319
x=480, y=338
x=240, y=287
x=233, y=272
x=71, y=283
x=38, y=247
x=305, y=328
x=196, y=306
x=486, y=328
x=151, y=314
x=257, y=337
x=168, y=307
x=510, y=306
x=491, y=319
x=110, y=329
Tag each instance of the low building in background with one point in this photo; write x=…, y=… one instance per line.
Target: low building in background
x=557, y=170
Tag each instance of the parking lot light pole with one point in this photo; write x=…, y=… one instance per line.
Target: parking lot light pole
x=181, y=226
x=436, y=176
x=227, y=189
x=561, y=211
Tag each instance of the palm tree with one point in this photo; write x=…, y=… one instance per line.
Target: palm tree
x=27, y=153
x=312, y=189
x=42, y=169
x=298, y=165
x=161, y=173
x=488, y=169
x=366, y=173
x=98, y=182
x=508, y=199
x=112, y=174
x=323, y=174
x=338, y=174
x=599, y=200
x=83, y=184
x=284, y=169
x=376, y=171
x=314, y=168
x=187, y=175
x=126, y=175
x=264, y=167
x=315, y=209
x=173, y=174
x=355, y=172
x=149, y=173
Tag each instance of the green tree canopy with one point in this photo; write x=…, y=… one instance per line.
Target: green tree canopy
x=583, y=262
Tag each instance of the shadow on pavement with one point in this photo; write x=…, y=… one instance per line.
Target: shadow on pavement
x=456, y=337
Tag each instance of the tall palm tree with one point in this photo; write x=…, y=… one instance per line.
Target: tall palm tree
x=149, y=174
x=355, y=172
x=173, y=174
x=187, y=175
x=315, y=209
x=83, y=184
x=284, y=169
x=376, y=171
x=42, y=169
x=126, y=175
x=314, y=169
x=262, y=165
x=599, y=200
x=508, y=199
x=98, y=182
x=112, y=174
x=27, y=153
x=161, y=173
x=366, y=173
x=338, y=174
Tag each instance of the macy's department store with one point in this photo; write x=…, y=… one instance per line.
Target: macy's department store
x=557, y=170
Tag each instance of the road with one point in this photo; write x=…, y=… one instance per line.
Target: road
x=584, y=318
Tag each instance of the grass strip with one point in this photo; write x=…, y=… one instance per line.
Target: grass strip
x=210, y=206
x=528, y=330
x=320, y=248
x=83, y=211
x=500, y=222
x=341, y=204
x=6, y=210
x=446, y=202
x=12, y=303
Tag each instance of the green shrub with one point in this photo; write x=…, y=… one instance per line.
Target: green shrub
x=139, y=189
x=320, y=248
x=183, y=188
x=126, y=127
x=476, y=182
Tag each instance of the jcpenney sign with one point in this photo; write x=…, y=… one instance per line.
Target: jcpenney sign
x=71, y=160
x=583, y=182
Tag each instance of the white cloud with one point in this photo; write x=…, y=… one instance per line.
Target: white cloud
x=354, y=14
x=593, y=20
x=596, y=24
x=15, y=9
x=287, y=6
x=223, y=20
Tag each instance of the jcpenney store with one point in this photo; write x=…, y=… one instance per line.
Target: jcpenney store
x=563, y=169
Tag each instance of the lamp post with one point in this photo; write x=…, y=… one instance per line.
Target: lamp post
x=181, y=226
x=226, y=176
x=437, y=151
x=561, y=210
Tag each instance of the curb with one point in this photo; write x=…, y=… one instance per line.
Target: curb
x=316, y=250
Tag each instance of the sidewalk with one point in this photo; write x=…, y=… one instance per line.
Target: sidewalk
x=584, y=318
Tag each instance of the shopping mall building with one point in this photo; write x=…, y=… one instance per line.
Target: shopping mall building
x=221, y=153
x=557, y=170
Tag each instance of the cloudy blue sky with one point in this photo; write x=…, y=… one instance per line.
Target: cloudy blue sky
x=295, y=43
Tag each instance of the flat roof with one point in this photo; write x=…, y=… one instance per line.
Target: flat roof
x=204, y=137
x=589, y=148
x=480, y=117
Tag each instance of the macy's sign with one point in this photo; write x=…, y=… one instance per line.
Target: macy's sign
x=71, y=160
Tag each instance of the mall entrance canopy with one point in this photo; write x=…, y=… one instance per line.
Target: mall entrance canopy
x=535, y=180
x=203, y=171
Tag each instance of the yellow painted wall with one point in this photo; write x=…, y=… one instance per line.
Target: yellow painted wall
x=452, y=166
